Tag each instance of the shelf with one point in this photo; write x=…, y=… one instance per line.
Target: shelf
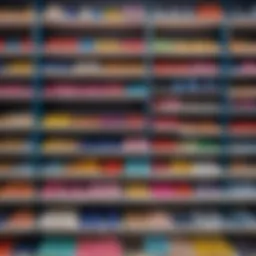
x=142, y=75
x=188, y=94
x=37, y=176
x=68, y=54
x=72, y=131
x=170, y=24
x=95, y=131
x=13, y=100
x=20, y=153
x=87, y=25
x=16, y=24
x=189, y=55
x=186, y=23
x=187, y=111
x=241, y=75
x=126, y=54
x=124, y=201
x=105, y=154
x=242, y=23
x=96, y=75
x=9, y=75
x=129, y=232
x=95, y=99
x=122, y=153
x=166, y=75
x=125, y=153
x=123, y=131
x=17, y=54
x=243, y=54
x=17, y=175
x=180, y=134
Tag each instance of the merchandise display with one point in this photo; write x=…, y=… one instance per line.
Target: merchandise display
x=24, y=14
x=91, y=68
x=88, y=45
x=15, y=92
x=127, y=128
x=71, y=121
x=112, y=91
x=150, y=245
x=21, y=219
x=136, y=221
x=17, y=190
x=16, y=44
x=16, y=67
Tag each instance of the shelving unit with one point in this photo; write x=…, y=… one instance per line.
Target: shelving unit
x=223, y=74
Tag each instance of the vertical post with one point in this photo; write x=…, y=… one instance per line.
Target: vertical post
x=149, y=37
x=225, y=73
x=37, y=36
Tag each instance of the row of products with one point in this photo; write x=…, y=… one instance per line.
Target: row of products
x=15, y=145
x=133, y=190
x=139, y=89
x=19, y=219
x=66, y=120
x=243, y=45
x=125, y=13
x=114, y=144
x=150, y=245
x=187, y=46
x=137, y=219
x=131, y=167
x=133, y=45
x=112, y=45
x=20, y=13
x=134, y=167
x=96, y=90
x=129, y=145
x=140, y=190
x=15, y=91
x=128, y=13
x=15, y=44
x=161, y=68
x=244, y=104
x=133, y=67
x=121, y=13
x=202, y=10
x=243, y=91
x=174, y=104
x=71, y=121
x=92, y=45
x=17, y=67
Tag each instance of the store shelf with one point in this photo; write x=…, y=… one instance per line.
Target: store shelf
x=9, y=76
x=242, y=23
x=15, y=100
x=93, y=54
x=16, y=24
x=92, y=75
x=188, y=55
x=186, y=23
x=126, y=232
x=124, y=201
x=40, y=175
x=17, y=54
x=188, y=75
x=223, y=69
x=96, y=99
x=87, y=25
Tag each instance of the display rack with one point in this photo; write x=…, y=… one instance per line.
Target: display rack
x=225, y=77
